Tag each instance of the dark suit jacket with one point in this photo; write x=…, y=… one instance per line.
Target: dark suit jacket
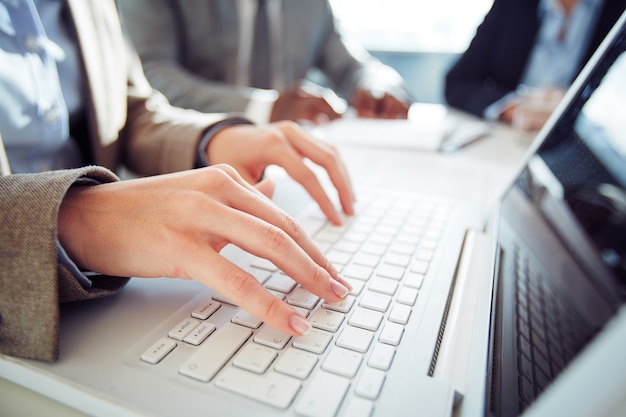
x=493, y=64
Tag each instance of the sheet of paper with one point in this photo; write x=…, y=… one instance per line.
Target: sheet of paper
x=424, y=130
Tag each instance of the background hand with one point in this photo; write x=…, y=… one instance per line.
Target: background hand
x=307, y=101
x=384, y=105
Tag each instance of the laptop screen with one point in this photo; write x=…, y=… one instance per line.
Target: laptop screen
x=561, y=273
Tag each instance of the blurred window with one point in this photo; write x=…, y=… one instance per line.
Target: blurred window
x=411, y=25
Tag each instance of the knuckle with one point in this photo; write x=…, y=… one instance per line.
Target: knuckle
x=272, y=308
x=276, y=238
x=225, y=169
x=331, y=157
x=239, y=282
x=221, y=176
x=318, y=276
x=292, y=227
x=275, y=138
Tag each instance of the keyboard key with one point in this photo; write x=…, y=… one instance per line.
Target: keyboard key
x=254, y=358
x=358, y=407
x=302, y=311
x=264, y=264
x=281, y=283
x=272, y=388
x=271, y=337
x=424, y=254
x=342, y=306
x=204, y=311
x=338, y=257
x=381, y=238
x=370, y=383
x=400, y=314
x=365, y=319
x=346, y=246
x=199, y=334
x=215, y=352
x=342, y=362
x=260, y=274
x=397, y=259
x=328, y=235
x=383, y=285
x=356, y=271
x=303, y=298
x=375, y=301
x=296, y=363
x=357, y=286
x=246, y=319
x=354, y=235
x=374, y=248
x=323, y=246
x=402, y=249
x=323, y=396
x=183, y=328
x=366, y=259
x=314, y=341
x=420, y=267
x=355, y=339
x=312, y=224
x=390, y=271
x=224, y=299
x=328, y=320
x=391, y=334
x=430, y=243
x=414, y=280
x=381, y=357
x=160, y=349
x=407, y=296
x=277, y=294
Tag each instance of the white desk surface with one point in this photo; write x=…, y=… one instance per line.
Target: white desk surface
x=494, y=158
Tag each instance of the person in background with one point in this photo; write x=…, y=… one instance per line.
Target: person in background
x=72, y=95
x=525, y=55
x=253, y=56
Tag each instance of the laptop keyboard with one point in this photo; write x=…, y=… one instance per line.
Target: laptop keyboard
x=384, y=252
x=550, y=331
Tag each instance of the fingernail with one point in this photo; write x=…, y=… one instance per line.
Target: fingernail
x=345, y=283
x=299, y=324
x=338, y=289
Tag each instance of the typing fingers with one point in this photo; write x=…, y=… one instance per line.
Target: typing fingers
x=252, y=222
x=327, y=157
x=246, y=291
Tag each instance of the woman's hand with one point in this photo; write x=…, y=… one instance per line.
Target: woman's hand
x=175, y=225
x=250, y=149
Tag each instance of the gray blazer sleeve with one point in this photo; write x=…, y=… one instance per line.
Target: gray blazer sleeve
x=200, y=79
x=189, y=51
x=32, y=280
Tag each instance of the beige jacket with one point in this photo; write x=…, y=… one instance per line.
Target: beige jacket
x=129, y=123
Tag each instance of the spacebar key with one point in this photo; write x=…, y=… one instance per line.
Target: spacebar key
x=215, y=352
x=323, y=396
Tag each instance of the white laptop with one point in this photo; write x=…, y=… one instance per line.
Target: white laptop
x=519, y=316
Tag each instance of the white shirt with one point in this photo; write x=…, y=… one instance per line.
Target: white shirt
x=260, y=107
x=553, y=62
x=41, y=85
